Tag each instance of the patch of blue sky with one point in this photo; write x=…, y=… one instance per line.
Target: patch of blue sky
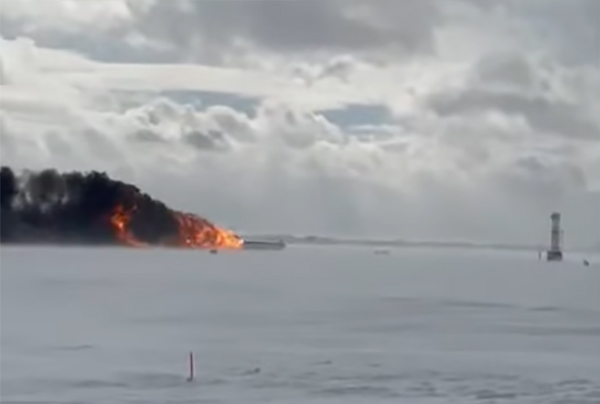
x=364, y=121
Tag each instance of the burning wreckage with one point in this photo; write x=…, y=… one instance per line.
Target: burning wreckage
x=48, y=207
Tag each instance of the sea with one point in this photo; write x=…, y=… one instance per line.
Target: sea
x=308, y=324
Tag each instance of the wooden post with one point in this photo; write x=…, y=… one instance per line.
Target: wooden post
x=191, y=375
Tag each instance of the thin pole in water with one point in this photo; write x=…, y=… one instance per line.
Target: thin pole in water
x=191, y=376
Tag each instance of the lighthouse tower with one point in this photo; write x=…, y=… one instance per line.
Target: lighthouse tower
x=555, y=252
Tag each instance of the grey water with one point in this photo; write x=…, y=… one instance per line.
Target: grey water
x=303, y=325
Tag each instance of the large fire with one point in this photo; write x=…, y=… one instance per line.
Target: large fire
x=119, y=220
x=196, y=232
x=192, y=232
x=92, y=208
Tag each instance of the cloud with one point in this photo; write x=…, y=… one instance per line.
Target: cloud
x=569, y=29
x=187, y=30
x=463, y=121
x=294, y=26
x=219, y=33
x=544, y=115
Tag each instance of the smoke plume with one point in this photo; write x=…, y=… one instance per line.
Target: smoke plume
x=91, y=208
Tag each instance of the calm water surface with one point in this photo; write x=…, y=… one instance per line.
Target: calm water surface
x=302, y=325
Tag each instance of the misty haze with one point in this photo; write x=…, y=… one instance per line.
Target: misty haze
x=311, y=201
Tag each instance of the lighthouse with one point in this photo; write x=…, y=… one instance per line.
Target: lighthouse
x=555, y=252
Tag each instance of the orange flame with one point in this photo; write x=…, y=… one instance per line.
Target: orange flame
x=193, y=231
x=120, y=220
x=196, y=232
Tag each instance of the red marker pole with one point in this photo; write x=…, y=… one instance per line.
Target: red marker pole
x=191, y=376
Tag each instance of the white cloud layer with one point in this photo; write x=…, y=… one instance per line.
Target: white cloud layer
x=492, y=110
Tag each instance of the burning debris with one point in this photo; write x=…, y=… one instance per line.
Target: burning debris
x=91, y=208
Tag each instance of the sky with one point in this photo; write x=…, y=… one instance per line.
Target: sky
x=417, y=119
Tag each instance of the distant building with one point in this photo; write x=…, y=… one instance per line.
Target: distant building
x=555, y=251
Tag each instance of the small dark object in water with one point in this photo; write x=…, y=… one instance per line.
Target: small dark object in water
x=586, y=263
x=252, y=372
x=213, y=251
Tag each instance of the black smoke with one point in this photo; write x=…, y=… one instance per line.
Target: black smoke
x=75, y=208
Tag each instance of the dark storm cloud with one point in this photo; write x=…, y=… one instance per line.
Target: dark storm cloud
x=506, y=68
x=210, y=140
x=542, y=113
x=571, y=27
x=297, y=25
x=207, y=30
x=97, y=43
